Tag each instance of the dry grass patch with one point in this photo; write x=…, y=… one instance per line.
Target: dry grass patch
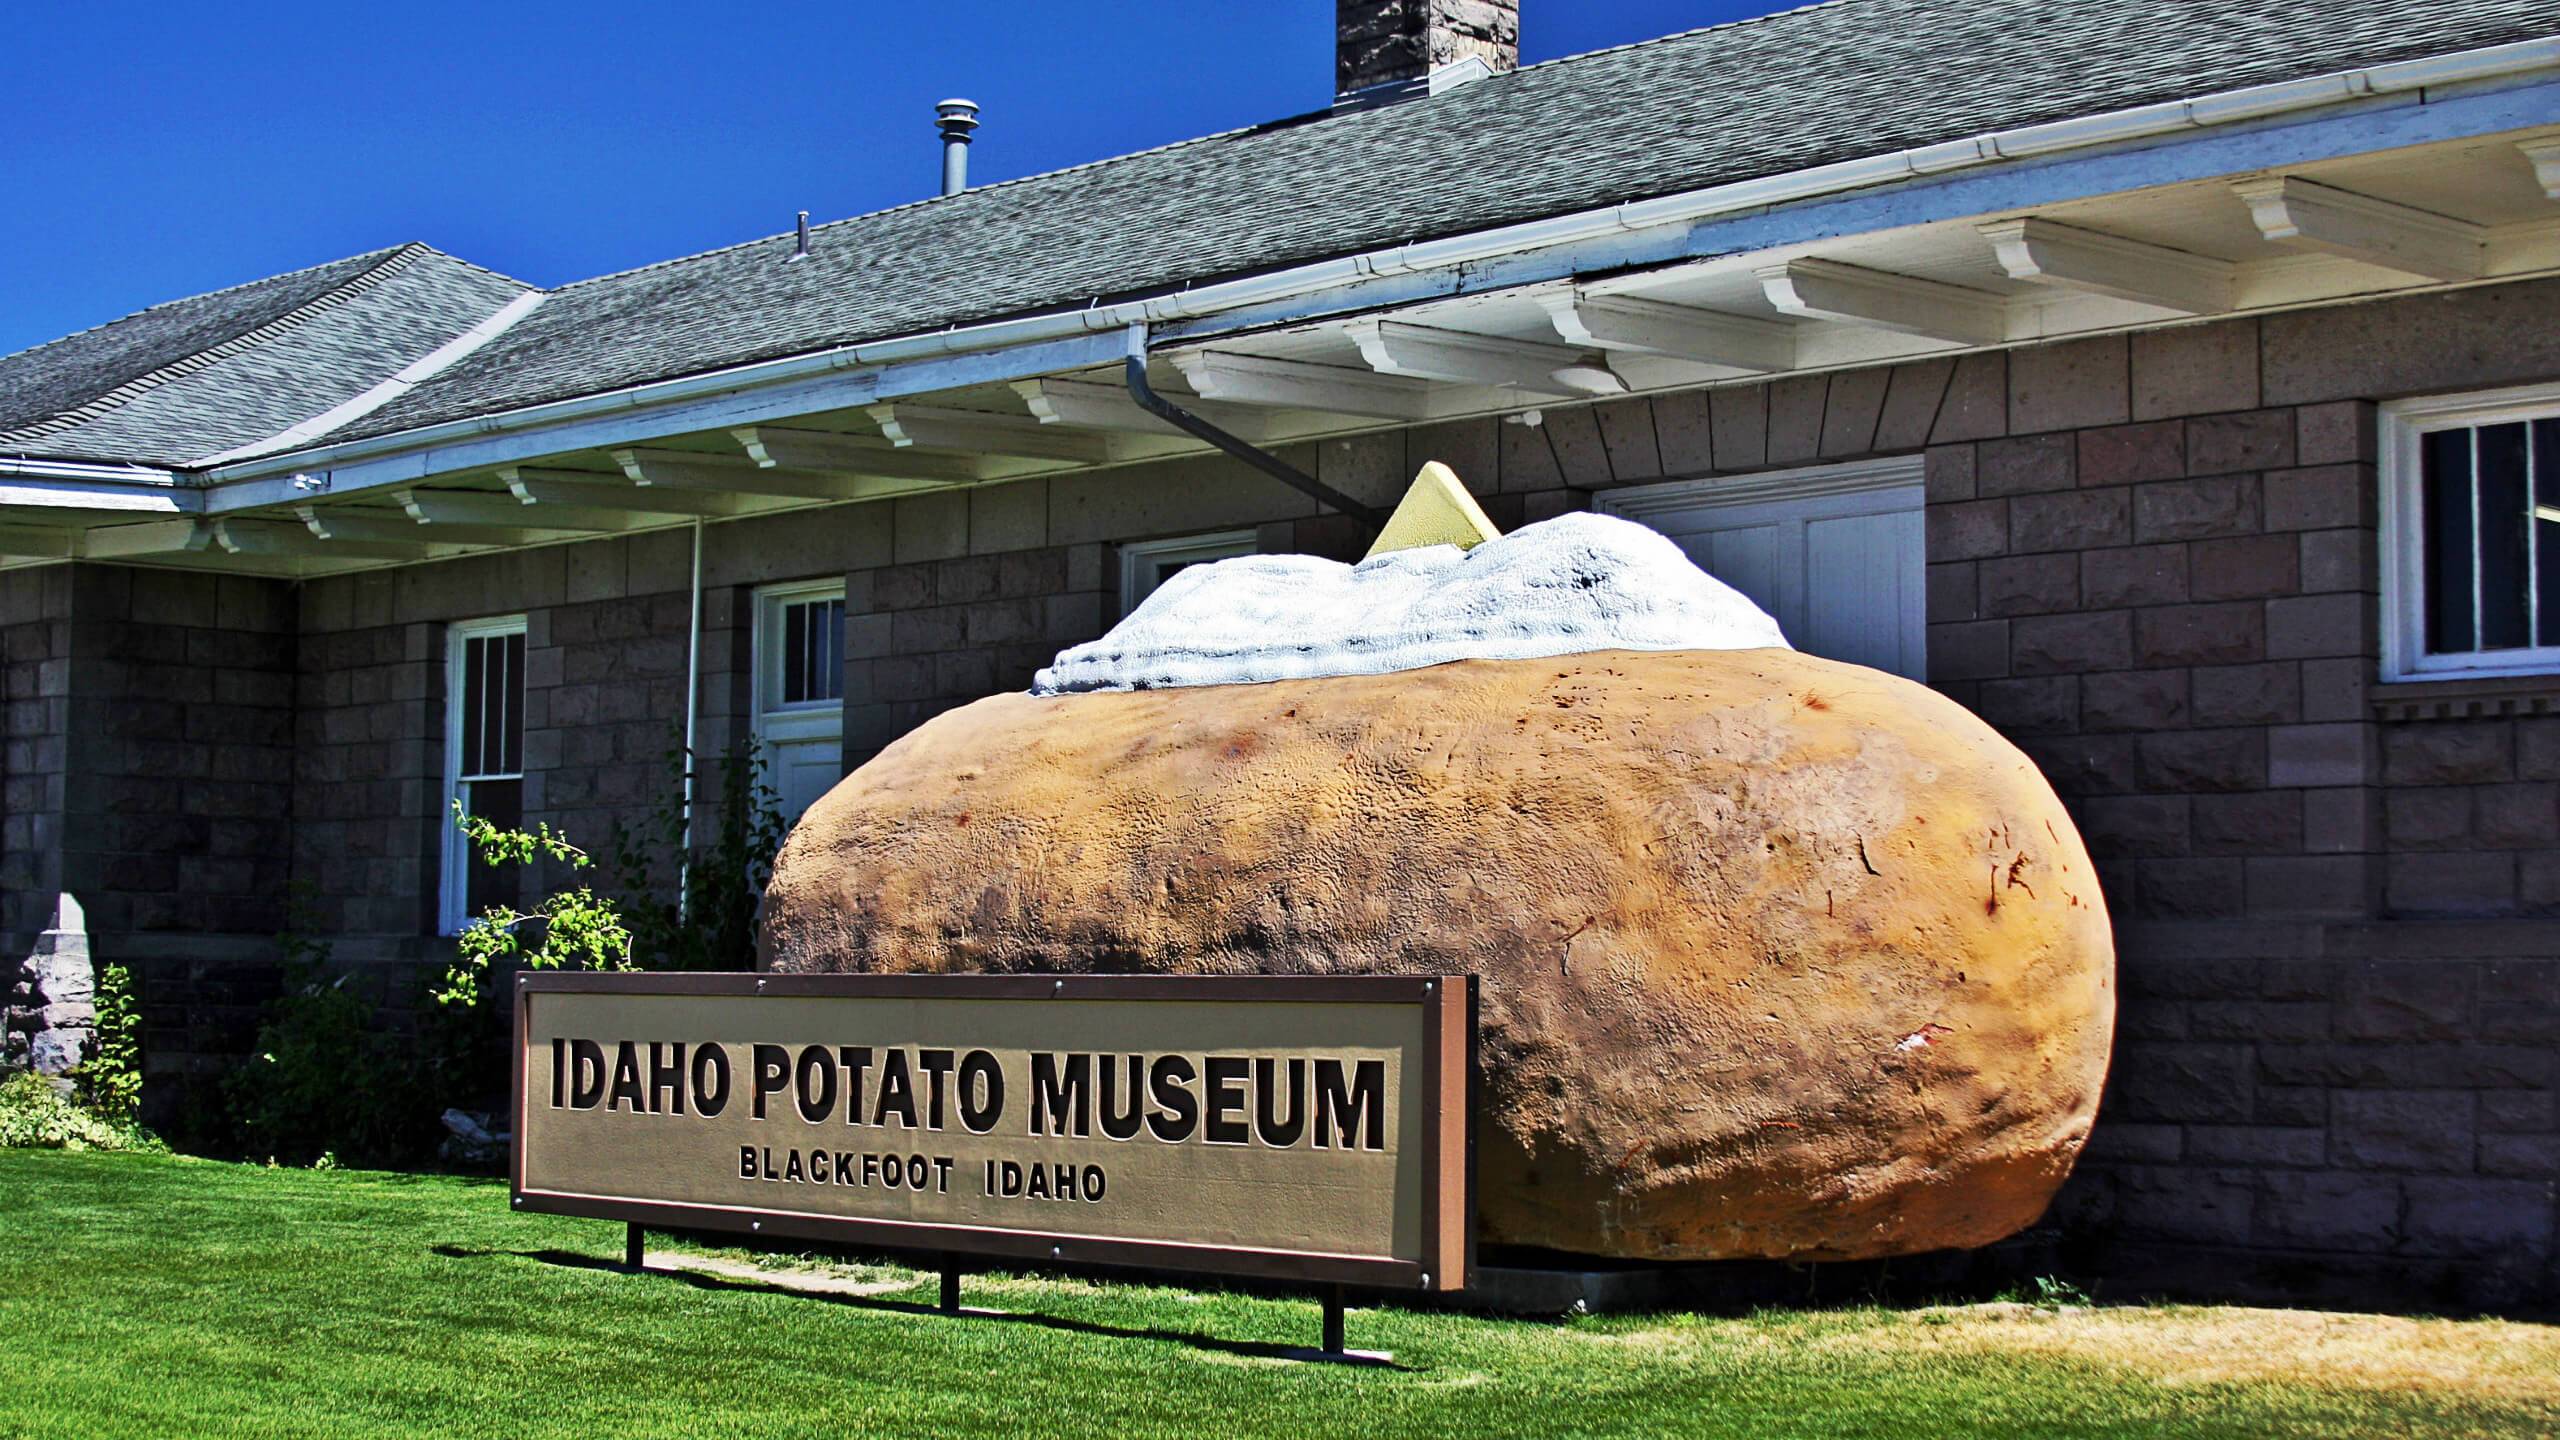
x=2187, y=1345
x=808, y=1279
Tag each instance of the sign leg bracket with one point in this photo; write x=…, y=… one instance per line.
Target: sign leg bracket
x=632, y=1238
x=950, y=1285
x=1333, y=1321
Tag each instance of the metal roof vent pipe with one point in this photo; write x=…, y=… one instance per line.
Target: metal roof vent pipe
x=955, y=119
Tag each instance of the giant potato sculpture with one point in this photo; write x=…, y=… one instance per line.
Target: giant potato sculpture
x=1777, y=956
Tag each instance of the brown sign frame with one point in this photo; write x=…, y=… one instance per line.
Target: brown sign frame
x=1448, y=1172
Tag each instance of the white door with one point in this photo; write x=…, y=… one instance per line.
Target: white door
x=799, y=642
x=1838, y=554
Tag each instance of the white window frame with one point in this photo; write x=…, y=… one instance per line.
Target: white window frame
x=767, y=651
x=2405, y=424
x=1888, y=484
x=773, y=721
x=1143, y=562
x=453, y=885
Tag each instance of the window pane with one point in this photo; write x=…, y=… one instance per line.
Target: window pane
x=2504, y=514
x=2546, y=534
x=812, y=652
x=795, y=653
x=493, y=708
x=488, y=704
x=813, y=624
x=2445, y=465
x=473, y=684
x=512, y=695
x=500, y=802
x=827, y=664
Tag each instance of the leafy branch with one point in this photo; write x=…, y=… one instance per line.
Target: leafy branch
x=579, y=929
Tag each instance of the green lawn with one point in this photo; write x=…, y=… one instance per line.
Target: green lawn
x=157, y=1297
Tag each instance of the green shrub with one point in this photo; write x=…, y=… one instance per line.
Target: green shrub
x=326, y=1075
x=2055, y=1293
x=34, y=1113
x=706, y=919
x=109, y=1083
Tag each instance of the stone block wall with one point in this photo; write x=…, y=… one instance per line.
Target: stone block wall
x=2331, y=1112
x=148, y=755
x=35, y=688
x=974, y=599
x=178, y=809
x=2173, y=612
x=2471, y=814
x=367, y=766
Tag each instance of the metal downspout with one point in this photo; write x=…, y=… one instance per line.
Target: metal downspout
x=692, y=708
x=1135, y=370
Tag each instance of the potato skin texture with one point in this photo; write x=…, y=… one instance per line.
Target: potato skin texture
x=1778, y=957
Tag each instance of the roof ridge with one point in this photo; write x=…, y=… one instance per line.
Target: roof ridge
x=391, y=387
x=395, y=260
x=1734, y=24
x=214, y=294
x=1304, y=117
x=916, y=204
x=443, y=254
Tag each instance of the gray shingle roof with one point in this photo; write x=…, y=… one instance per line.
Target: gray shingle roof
x=184, y=380
x=62, y=375
x=1832, y=82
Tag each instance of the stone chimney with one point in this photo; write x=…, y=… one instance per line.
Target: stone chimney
x=1400, y=42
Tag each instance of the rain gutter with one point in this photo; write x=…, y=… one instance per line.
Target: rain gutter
x=2220, y=108
x=1133, y=371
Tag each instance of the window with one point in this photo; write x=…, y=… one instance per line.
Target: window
x=1836, y=554
x=804, y=646
x=484, y=756
x=2471, y=535
x=1147, y=564
x=799, y=660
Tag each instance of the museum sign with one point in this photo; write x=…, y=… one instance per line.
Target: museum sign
x=1288, y=1127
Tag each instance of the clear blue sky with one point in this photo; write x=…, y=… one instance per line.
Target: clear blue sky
x=158, y=150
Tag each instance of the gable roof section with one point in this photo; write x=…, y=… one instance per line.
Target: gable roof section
x=181, y=381
x=1839, y=81
x=62, y=376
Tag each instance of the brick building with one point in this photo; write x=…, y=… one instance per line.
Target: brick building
x=2177, y=385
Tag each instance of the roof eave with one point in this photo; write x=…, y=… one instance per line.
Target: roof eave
x=70, y=491
x=1258, y=292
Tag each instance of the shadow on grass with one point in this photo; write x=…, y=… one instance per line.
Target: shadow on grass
x=461, y=1179
x=701, y=1280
